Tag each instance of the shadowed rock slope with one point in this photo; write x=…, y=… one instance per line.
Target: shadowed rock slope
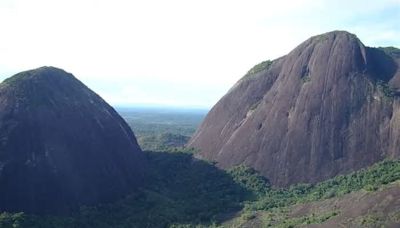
x=61, y=145
x=328, y=107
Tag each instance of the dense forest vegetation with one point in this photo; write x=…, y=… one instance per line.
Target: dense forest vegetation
x=179, y=190
x=182, y=191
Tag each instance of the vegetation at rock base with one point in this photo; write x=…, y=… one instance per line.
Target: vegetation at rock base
x=180, y=190
x=274, y=202
x=186, y=192
x=370, y=179
x=250, y=179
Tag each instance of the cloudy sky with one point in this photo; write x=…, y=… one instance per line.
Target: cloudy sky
x=175, y=52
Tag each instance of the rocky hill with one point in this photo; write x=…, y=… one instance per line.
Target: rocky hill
x=328, y=107
x=61, y=145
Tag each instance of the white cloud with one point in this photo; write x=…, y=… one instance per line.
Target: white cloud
x=202, y=45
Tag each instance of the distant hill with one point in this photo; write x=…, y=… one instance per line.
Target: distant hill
x=61, y=145
x=328, y=107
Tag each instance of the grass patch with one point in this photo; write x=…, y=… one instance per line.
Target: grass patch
x=371, y=220
x=384, y=89
x=305, y=220
x=305, y=79
x=259, y=67
x=255, y=105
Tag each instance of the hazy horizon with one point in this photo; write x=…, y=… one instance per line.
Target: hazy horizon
x=161, y=107
x=174, y=53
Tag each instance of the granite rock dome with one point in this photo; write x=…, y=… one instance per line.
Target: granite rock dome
x=328, y=107
x=61, y=145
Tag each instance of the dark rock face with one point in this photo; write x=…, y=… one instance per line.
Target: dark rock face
x=61, y=145
x=328, y=107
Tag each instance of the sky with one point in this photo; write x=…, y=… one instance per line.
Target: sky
x=181, y=53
